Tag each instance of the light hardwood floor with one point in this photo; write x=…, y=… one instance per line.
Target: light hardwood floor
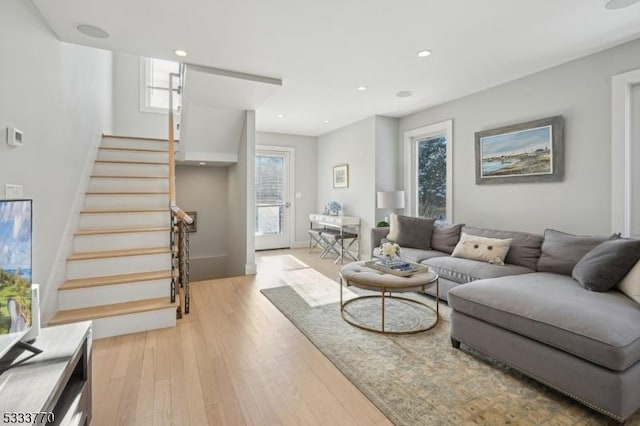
x=234, y=360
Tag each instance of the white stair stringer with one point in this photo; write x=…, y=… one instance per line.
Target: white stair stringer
x=119, y=274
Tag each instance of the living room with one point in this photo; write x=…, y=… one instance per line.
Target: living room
x=361, y=102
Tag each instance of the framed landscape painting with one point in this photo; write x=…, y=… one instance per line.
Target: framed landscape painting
x=341, y=176
x=527, y=152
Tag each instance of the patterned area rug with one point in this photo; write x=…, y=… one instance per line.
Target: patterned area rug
x=421, y=380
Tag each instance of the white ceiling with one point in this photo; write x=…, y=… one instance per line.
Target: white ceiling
x=323, y=50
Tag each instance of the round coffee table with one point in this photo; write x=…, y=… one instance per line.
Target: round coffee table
x=358, y=275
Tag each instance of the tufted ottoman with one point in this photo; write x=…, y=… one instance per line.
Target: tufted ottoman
x=358, y=275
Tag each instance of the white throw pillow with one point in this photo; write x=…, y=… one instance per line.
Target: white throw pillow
x=490, y=250
x=630, y=284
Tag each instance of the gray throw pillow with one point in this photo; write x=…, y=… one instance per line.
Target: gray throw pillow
x=561, y=251
x=607, y=264
x=445, y=237
x=413, y=232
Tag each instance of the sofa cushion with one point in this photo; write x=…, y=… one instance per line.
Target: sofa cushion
x=607, y=264
x=553, y=309
x=484, y=249
x=412, y=255
x=412, y=232
x=525, y=247
x=561, y=251
x=465, y=270
x=445, y=237
x=630, y=284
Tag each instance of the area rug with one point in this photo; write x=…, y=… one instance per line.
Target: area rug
x=315, y=288
x=421, y=380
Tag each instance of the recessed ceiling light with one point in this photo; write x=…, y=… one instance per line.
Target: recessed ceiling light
x=362, y=88
x=280, y=115
x=92, y=31
x=180, y=52
x=326, y=121
x=404, y=93
x=203, y=164
x=619, y=4
x=424, y=53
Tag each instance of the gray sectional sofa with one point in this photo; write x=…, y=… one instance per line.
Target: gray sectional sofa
x=533, y=316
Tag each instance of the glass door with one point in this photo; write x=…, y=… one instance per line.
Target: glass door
x=272, y=200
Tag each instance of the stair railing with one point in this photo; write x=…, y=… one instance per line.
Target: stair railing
x=180, y=221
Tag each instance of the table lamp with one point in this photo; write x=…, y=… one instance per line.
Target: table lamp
x=390, y=200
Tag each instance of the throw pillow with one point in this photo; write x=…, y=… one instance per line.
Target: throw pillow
x=490, y=250
x=560, y=251
x=445, y=237
x=413, y=232
x=630, y=284
x=607, y=264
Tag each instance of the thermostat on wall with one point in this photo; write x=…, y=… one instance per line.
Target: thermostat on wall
x=14, y=136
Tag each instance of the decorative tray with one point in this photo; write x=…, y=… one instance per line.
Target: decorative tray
x=398, y=267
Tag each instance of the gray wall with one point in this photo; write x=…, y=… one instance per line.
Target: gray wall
x=204, y=190
x=60, y=96
x=386, y=153
x=581, y=92
x=353, y=145
x=305, y=181
x=128, y=120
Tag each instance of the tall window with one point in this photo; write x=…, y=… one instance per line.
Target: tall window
x=428, y=171
x=154, y=93
x=432, y=177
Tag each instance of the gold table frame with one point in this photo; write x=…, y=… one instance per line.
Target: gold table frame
x=435, y=280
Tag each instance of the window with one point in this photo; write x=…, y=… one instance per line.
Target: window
x=428, y=171
x=154, y=85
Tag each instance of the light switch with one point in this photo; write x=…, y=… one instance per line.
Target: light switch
x=12, y=191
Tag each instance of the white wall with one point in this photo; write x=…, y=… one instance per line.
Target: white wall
x=580, y=91
x=353, y=145
x=60, y=96
x=305, y=180
x=241, y=204
x=204, y=190
x=386, y=152
x=128, y=120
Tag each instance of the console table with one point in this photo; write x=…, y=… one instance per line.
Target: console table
x=336, y=229
x=53, y=387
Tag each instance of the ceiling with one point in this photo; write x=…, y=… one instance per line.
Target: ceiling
x=324, y=50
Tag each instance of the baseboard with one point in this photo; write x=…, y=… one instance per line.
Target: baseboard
x=251, y=269
x=300, y=244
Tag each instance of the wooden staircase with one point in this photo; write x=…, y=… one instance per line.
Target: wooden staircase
x=119, y=274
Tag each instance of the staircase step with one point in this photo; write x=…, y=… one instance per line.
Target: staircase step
x=136, y=169
x=104, y=148
x=113, y=279
x=135, y=155
x=124, y=217
x=117, y=253
x=134, y=143
x=134, y=138
x=127, y=177
x=101, y=231
x=123, y=318
x=131, y=162
x=127, y=193
x=109, y=241
x=138, y=200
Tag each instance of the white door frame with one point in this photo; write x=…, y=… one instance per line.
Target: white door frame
x=411, y=163
x=292, y=176
x=621, y=151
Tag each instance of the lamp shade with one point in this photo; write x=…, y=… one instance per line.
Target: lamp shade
x=391, y=200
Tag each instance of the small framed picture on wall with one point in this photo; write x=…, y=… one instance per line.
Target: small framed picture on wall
x=341, y=176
